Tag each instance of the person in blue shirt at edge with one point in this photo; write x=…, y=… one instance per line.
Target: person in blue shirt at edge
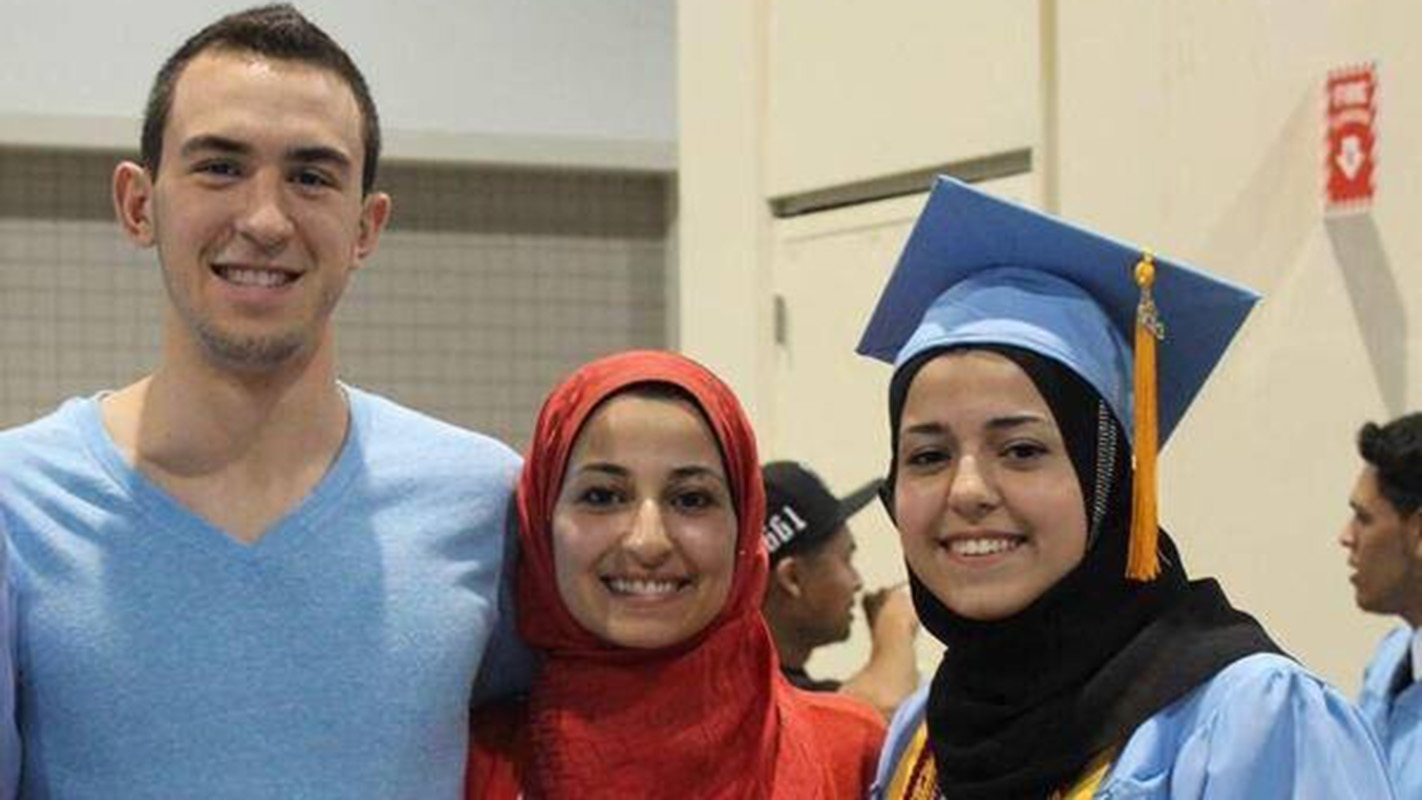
x=1080, y=661
x=9, y=744
x=239, y=577
x=1384, y=543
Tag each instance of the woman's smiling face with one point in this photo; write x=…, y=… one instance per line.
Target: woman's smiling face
x=644, y=526
x=988, y=505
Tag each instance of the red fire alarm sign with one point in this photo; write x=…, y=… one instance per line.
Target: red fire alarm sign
x=1351, y=135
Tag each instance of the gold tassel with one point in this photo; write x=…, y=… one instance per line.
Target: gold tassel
x=1142, y=559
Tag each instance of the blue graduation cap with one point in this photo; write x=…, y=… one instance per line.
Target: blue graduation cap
x=1144, y=333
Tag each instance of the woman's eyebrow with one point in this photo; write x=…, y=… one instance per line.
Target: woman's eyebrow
x=605, y=467
x=1015, y=420
x=697, y=471
x=1006, y=421
x=924, y=429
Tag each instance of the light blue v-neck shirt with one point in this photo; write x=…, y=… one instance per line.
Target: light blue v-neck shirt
x=332, y=658
x=9, y=744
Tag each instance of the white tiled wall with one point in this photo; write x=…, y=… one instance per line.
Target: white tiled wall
x=488, y=287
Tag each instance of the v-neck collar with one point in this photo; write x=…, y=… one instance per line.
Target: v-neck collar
x=176, y=520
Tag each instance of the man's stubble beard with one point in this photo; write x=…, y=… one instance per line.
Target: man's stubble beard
x=248, y=353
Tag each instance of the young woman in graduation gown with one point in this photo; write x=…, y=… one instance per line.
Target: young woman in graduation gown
x=639, y=582
x=1081, y=661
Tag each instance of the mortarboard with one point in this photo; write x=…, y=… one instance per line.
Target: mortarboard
x=1144, y=332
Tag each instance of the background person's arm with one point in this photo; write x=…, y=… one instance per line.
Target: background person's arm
x=891, y=673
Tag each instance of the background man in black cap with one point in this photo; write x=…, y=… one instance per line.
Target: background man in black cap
x=809, y=600
x=1384, y=543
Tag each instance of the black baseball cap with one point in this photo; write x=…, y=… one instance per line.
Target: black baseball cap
x=801, y=512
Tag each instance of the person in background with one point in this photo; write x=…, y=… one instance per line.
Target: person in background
x=239, y=577
x=9, y=742
x=1384, y=543
x=1080, y=661
x=639, y=581
x=810, y=597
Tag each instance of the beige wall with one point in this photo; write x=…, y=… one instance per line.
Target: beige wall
x=1200, y=134
x=1192, y=128
x=557, y=84
x=723, y=304
x=850, y=97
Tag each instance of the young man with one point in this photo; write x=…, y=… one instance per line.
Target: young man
x=809, y=599
x=238, y=577
x=1384, y=543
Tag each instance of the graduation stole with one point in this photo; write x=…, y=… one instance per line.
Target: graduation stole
x=916, y=777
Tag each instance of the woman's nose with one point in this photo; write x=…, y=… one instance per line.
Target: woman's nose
x=972, y=493
x=647, y=538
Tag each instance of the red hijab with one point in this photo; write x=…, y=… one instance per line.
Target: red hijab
x=710, y=717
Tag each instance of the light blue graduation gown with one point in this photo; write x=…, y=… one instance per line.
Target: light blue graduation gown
x=9, y=742
x=1396, y=718
x=1263, y=727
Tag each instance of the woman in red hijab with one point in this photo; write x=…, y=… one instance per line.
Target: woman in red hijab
x=640, y=579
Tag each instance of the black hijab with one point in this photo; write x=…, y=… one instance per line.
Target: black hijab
x=1018, y=707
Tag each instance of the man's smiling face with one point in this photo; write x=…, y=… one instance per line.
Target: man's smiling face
x=257, y=210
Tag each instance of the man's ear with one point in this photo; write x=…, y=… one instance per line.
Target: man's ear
x=786, y=575
x=374, y=214
x=133, y=202
x=1412, y=529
